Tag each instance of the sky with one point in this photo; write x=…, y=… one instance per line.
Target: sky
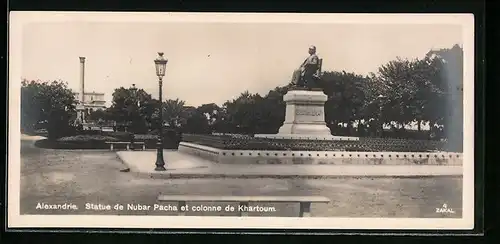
x=215, y=62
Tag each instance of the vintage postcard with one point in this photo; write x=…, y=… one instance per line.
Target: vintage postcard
x=246, y=121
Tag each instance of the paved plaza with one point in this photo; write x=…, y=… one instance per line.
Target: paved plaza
x=93, y=176
x=180, y=165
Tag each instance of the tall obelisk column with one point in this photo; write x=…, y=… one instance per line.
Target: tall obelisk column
x=82, y=88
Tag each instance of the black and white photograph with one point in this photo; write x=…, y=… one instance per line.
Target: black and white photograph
x=221, y=120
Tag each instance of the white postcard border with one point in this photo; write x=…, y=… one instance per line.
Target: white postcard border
x=19, y=19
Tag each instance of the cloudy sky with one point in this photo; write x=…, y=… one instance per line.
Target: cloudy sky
x=215, y=62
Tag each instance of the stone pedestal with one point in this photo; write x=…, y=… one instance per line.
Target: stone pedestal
x=80, y=113
x=305, y=117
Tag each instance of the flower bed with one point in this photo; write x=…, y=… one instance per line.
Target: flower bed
x=364, y=144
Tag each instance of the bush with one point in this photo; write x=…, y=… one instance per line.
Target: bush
x=120, y=135
x=87, y=138
x=85, y=142
x=144, y=137
x=58, y=130
x=46, y=143
x=77, y=142
x=90, y=132
x=99, y=141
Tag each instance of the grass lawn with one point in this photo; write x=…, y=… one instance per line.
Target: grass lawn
x=93, y=176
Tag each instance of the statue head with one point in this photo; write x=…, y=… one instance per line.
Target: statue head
x=312, y=49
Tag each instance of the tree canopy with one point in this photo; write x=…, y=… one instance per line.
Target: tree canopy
x=425, y=91
x=49, y=103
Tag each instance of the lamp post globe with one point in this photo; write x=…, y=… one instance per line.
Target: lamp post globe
x=160, y=65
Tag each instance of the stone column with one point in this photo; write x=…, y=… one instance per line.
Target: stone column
x=82, y=88
x=82, y=79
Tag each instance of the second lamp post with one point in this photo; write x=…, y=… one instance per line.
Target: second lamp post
x=381, y=99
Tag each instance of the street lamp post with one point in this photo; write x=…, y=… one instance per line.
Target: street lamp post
x=160, y=64
x=132, y=128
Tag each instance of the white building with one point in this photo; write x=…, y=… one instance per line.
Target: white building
x=92, y=101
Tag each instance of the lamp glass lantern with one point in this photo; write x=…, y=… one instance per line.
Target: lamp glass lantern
x=161, y=64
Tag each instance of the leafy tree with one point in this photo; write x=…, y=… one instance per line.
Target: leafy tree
x=399, y=97
x=132, y=106
x=172, y=112
x=100, y=116
x=211, y=110
x=196, y=123
x=406, y=90
x=215, y=116
x=419, y=90
x=428, y=94
x=274, y=110
x=244, y=113
x=51, y=103
x=345, y=97
x=375, y=105
x=451, y=86
x=149, y=111
x=251, y=113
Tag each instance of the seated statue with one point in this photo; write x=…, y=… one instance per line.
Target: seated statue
x=309, y=72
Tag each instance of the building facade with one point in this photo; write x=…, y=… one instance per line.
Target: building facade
x=92, y=101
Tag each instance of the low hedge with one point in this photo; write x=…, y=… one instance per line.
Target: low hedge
x=99, y=141
x=87, y=138
x=55, y=144
x=144, y=137
x=120, y=135
x=171, y=138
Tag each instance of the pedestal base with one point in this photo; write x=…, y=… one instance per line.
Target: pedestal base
x=305, y=116
x=303, y=129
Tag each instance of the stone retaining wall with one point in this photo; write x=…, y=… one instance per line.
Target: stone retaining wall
x=320, y=157
x=201, y=151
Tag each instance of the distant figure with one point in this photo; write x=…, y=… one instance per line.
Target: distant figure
x=79, y=127
x=132, y=141
x=306, y=75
